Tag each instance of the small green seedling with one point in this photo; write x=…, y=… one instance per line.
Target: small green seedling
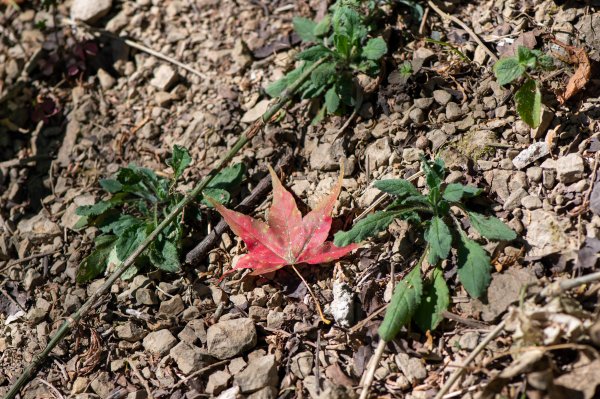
x=138, y=200
x=343, y=39
x=437, y=214
x=528, y=97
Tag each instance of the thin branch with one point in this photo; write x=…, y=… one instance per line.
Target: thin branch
x=312, y=294
x=466, y=27
x=369, y=375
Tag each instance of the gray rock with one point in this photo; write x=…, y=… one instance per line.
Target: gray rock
x=411, y=154
x=442, y=97
x=417, y=115
x=102, y=385
x=534, y=174
x=423, y=103
x=261, y=372
x=217, y=382
x=569, y=168
x=379, y=153
x=453, y=111
x=504, y=290
x=90, y=11
x=342, y=306
x=514, y=199
x=32, y=279
x=321, y=158
x=531, y=154
x=106, y=80
x=264, y=393
x=531, y=202
x=258, y=313
x=172, y=307
x=163, y=98
x=229, y=338
x=545, y=234
x=130, y=332
x=190, y=358
x=145, y=296
x=469, y=340
x=438, y=138
x=159, y=342
x=411, y=367
x=164, y=77
x=302, y=365
x=39, y=228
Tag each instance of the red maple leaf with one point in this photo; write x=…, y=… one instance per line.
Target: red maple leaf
x=287, y=238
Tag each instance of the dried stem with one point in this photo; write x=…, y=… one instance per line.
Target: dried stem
x=312, y=294
x=72, y=320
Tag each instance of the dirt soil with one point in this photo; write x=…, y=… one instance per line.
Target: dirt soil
x=78, y=103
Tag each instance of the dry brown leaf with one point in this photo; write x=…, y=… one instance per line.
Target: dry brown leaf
x=584, y=377
x=582, y=74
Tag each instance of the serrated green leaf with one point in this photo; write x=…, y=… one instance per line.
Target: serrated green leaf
x=397, y=187
x=217, y=194
x=454, y=192
x=81, y=223
x=404, y=303
x=111, y=185
x=439, y=238
x=365, y=228
x=342, y=44
x=332, y=101
x=180, y=161
x=314, y=53
x=96, y=262
x=526, y=57
x=305, y=28
x=94, y=210
x=120, y=224
x=323, y=26
x=508, y=69
x=164, y=256
x=129, y=240
x=323, y=74
x=529, y=103
x=473, y=267
x=545, y=62
x=491, y=227
x=436, y=299
x=374, y=49
x=276, y=88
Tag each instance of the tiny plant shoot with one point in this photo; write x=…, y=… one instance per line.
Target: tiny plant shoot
x=287, y=238
x=341, y=37
x=438, y=215
x=138, y=199
x=528, y=97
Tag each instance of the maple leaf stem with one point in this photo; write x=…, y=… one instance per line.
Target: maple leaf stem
x=312, y=294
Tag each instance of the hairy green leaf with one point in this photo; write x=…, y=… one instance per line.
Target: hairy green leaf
x=332, y=101
x=508, y=69
x=404, y=303
x=229, y=177
x=434, y=172
x=323, y=26
x=491, y=227
x=217, y=194
x=374, y=49
x=129, y=240
x=473, y=267
x=305, y=28
x=436, y=299
x=454, y=192
x=529, y=103
x=164, y=256
x=314, y=53
x=398, y=187
x=526, y=57
x=365, y=228
x=96, y=262
x=439, y=238
x=323, y=74
x=94, y=210
x=180, y=161
x=111, y=185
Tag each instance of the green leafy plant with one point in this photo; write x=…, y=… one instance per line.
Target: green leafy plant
x=518, y=68
x=138, y=199
x=342, y=38
x=438, y=214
